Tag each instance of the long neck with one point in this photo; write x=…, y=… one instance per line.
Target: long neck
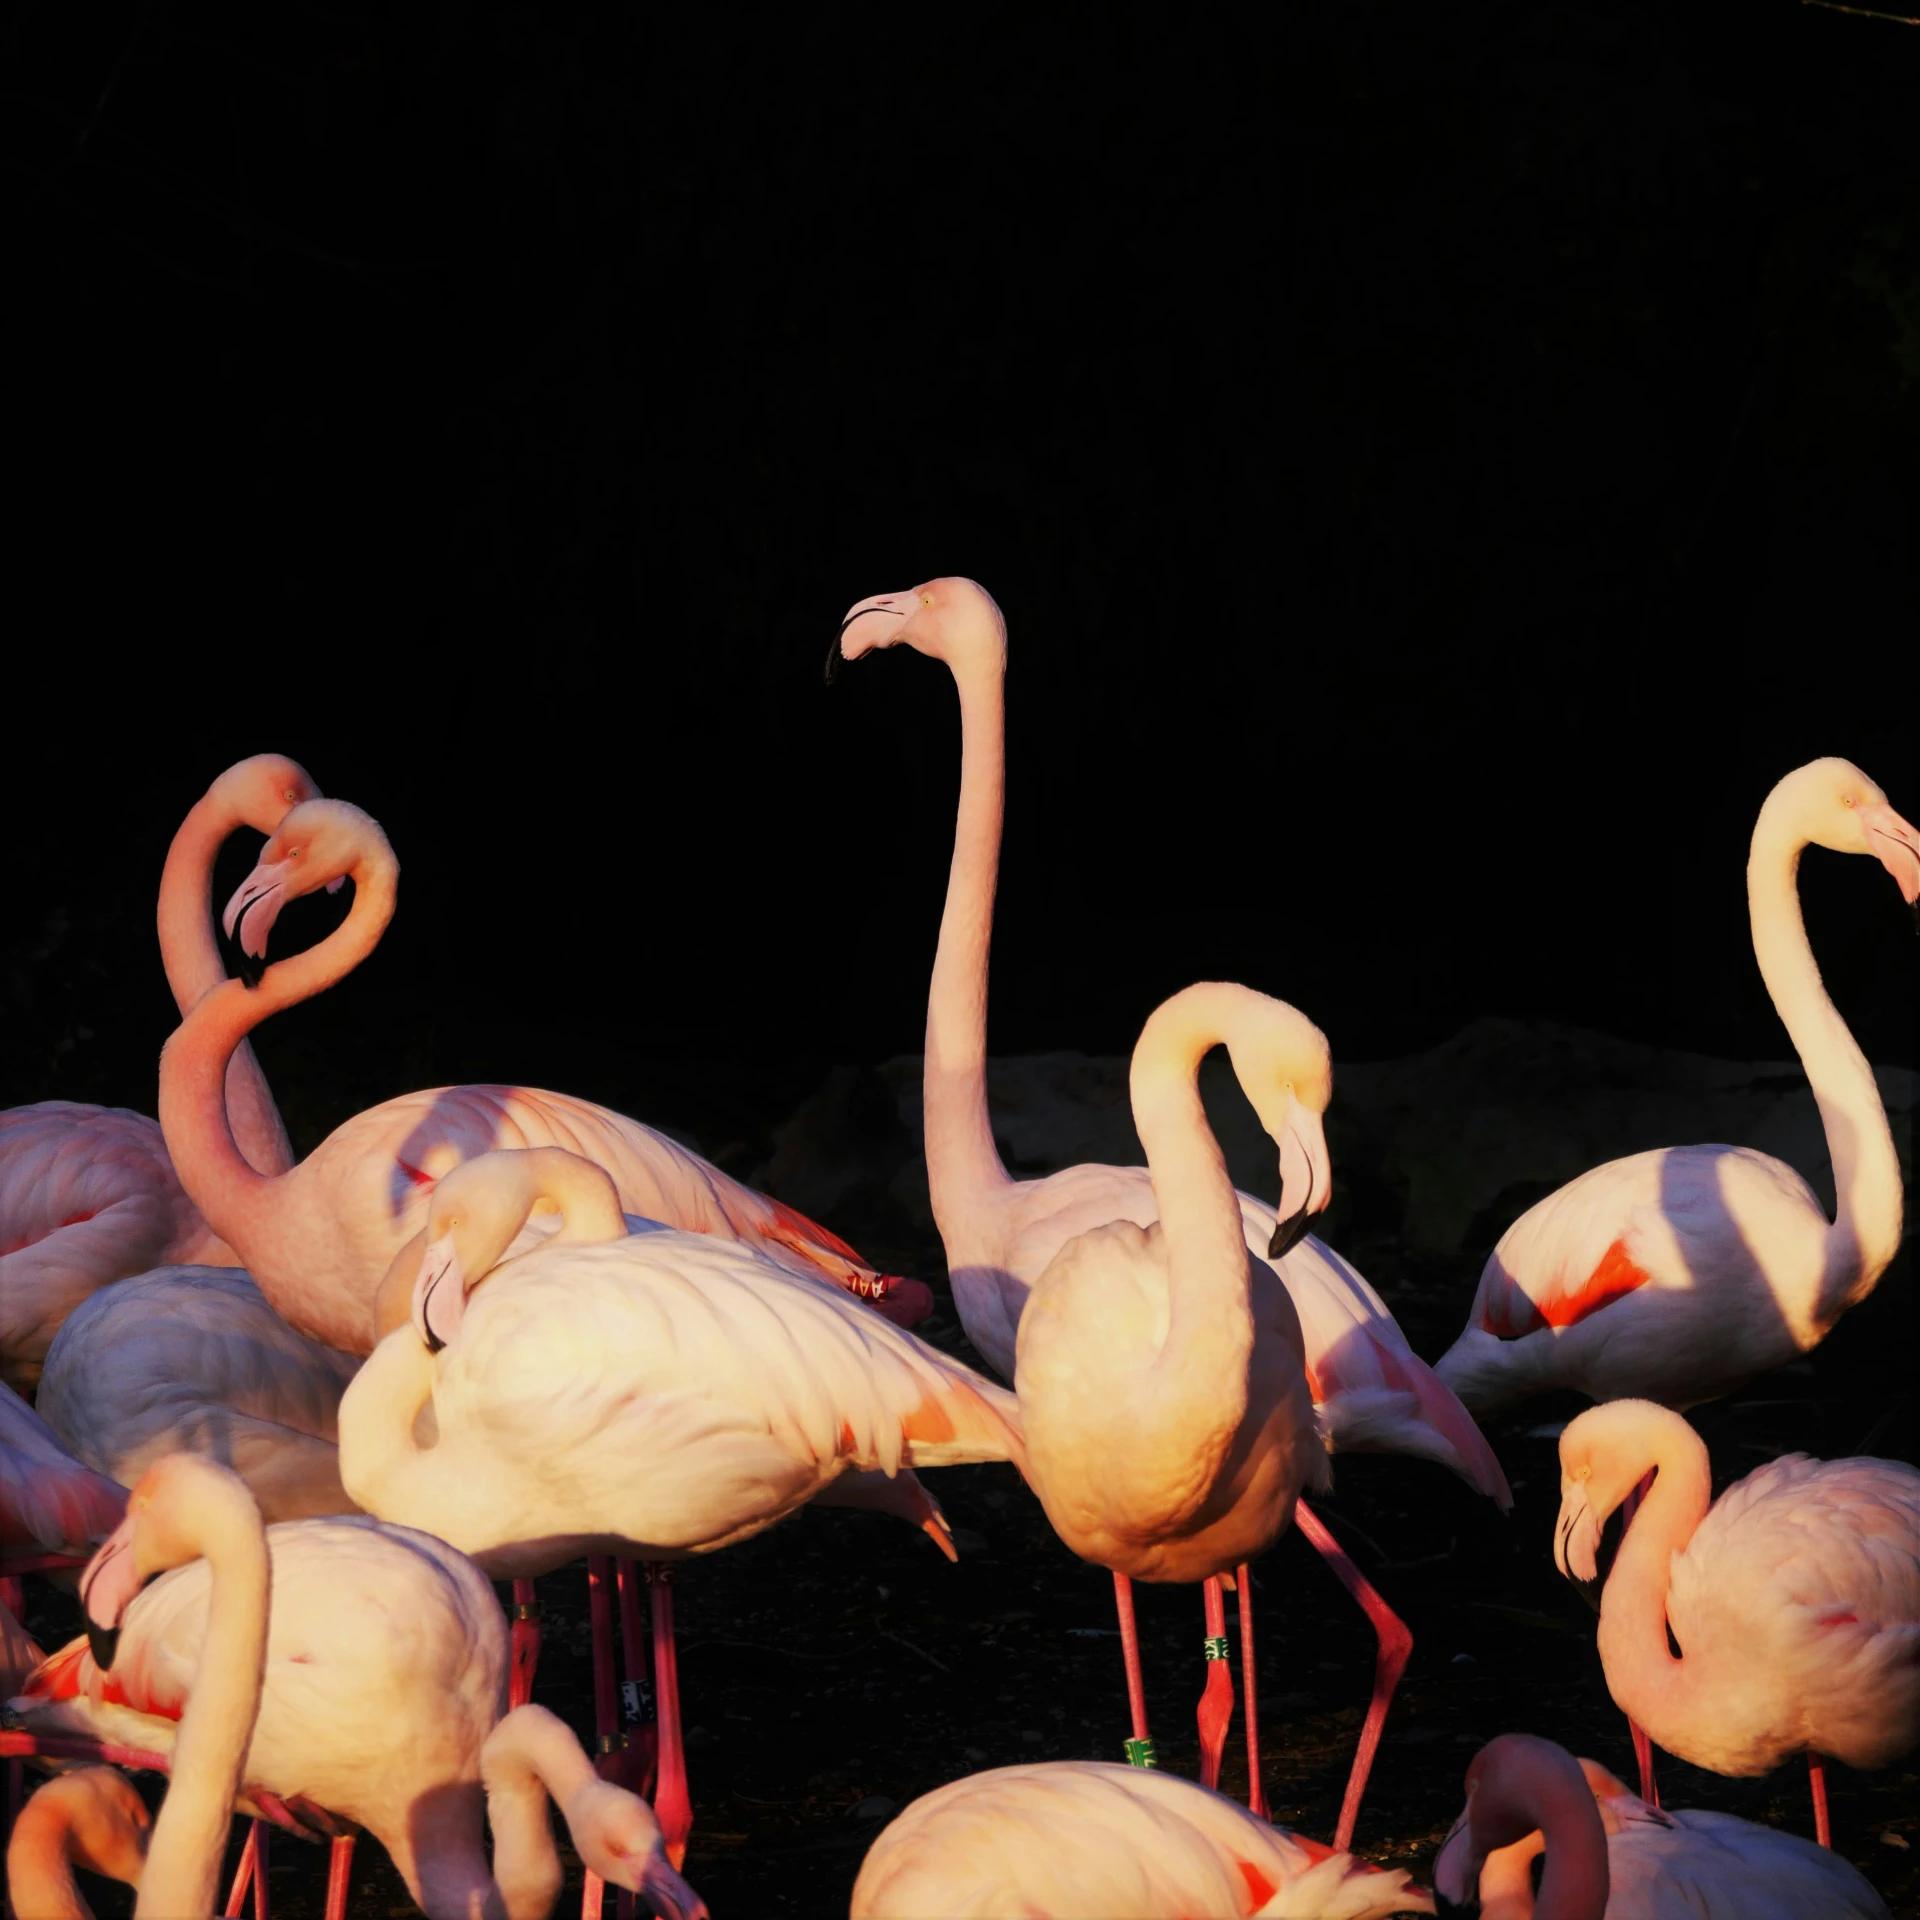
x=1642, y=1674
x=1865, y=1235
x=191, y=957
x=190, y=1836
x=963, y=1166
x=237, y=1200
x=379, y=1453
x=528, y=1757
x=40, y=1882
x=1210, y=1322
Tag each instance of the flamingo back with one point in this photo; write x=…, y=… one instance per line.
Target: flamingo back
x=48, y=1500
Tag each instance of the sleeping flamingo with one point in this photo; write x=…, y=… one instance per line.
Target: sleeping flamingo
x=319, y=1238
x=1794, y=1600
x=1607, y=1852
x=90, y=1818
x=1063, y=1839
x=1371, y=1392
x=87, y=1194
x=376, y=1659
x=652, y=1395
x=193, y=1359
x=51, y=1504
x=1676, y=1275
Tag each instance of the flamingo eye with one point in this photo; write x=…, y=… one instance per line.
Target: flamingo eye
x=926, y=600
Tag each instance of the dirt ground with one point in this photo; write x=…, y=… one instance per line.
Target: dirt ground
x=837, y=1667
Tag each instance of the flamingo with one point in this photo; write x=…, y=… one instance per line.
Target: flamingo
x=87, y=1194
x=194, y=1359
x=1075, y=1839
x=1371, y=1392
x=50, y=1504
x=90, y=1818
x=1794, y=1599
x=319, y=1238
x=1610, y=1853
x=375, y=1658
x=653, y=1396
x=1677, y=1275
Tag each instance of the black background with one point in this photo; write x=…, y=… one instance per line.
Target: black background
x=1440, y=466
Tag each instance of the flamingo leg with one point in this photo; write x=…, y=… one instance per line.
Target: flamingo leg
x=1140, y=1748
x=526, y=1644
x=1215, y=1713
x=641, y=1739
x=1256, y=1791
x=672, y=1806
x=1817, y=1773
x=606, y=1712
x=243, y=1875
x=339, y=1873
x=1643, y=1752
x=1396, y=1644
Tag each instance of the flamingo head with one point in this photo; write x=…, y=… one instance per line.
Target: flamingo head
x=1290, y=1085
x=945, y=619
x=318, y=843
x=1513, y=1783
x=166, y=1516
x=262, y=789
x=617, y=1837
x=1604, y=1455
x=1842, y=809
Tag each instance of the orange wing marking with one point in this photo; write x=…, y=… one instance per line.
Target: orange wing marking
x=1259, y=1888
x=418, y=1175
x=1511, y=1313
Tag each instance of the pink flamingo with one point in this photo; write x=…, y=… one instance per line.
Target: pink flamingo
x=50, y=1504
x=193, y=1359
x=1074, y=1837
x=1610, y=1853
x=87, y=1194
x=320, y=1238
x=1676, y=1275
x=338, y=1664
x=1794, y=1600
x=1371, y=1392
x=653, y=1396
x=89, y=1818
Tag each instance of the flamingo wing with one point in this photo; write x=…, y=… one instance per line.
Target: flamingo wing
x=48, y=1499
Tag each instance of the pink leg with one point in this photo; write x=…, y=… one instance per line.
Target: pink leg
x=1140, y=1748
x=672, y=1806
x=243, y=1874
x=636, y=1760
x=526, y=1643
x=1256, y=1791
x=591, y=1896
x=339, y=1874
x=1215, y=1714
x=1643, y=1752
x=1396, y=1644
x=606, y=1688
x=260, y=1892
x=1817, y=1772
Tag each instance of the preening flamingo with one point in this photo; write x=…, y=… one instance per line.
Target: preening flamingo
x=1676, y=1275
x=1083, y=1840
x=320, y=1238
x=90, y=1818
x=87, y=1194
x=1607, y=1852
x=50, y=1503
x=1794, y=1600
x=193, y=1359
x=1371, y=1392
x=652, y=1396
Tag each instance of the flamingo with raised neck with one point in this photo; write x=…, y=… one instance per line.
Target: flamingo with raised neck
x=87, y=1194
x=320, y=1238
x=1794, y=1600
x=1678, y=1274
x=1371, y=1392
x=90, y=1818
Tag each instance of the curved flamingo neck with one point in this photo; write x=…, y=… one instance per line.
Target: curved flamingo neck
x=1537, y=1797
x=1203, y=1361
x=587, y=1201
x=237, y=1201
x=1651, y=1685
x=190, y=1836
x=1865, y=1234
x=191, y=957
x=963, y=1165
x=528, y=1757
x=41, y=1856
x=378, y=1420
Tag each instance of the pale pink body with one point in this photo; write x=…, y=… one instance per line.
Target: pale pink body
x=320, y=1238
x=1079, y=1840
x=87, y=1194
x=1677, y=1274
x=1794, y=1598
x=1371, y=1391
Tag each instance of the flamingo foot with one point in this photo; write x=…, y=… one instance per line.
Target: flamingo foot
x=672, y=1805
x=1256, y=1791
x=1643, y=1753
x=1140, y=1748
x=1817, y=1773
x=1215, y=1713
x=526, y=1644
x=1396, y=1645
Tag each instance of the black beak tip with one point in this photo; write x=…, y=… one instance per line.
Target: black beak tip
x=434, y=1343
x=1287, y=1234
x=1589, y=1590
x=252, y=968
x=103, y=1643
x=835, y=661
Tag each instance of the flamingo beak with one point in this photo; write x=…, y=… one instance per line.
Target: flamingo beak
x=1306, y=1179
x=1896, y=846
x=255, y=907
x=439, y=1294
x=107, y=1587
x=666, y=1893
x=860, y=634
x=1578, y=1546
x=1456, y=1873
